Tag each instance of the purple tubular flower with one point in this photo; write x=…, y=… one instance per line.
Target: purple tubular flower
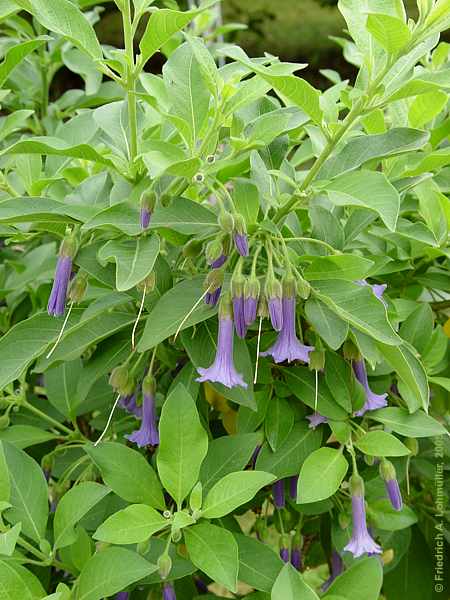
x=337, y=566
x=122, y=596
x=293, y=481
x=250, y=308
x=223, y=370
x=284, y=554
x=129, y=404
x=316, y=419
x=394, y=493
x=276, y=312
x=238, y=314
x=219, y=262
x=361, y=541
x=146, y=215
x=287, y=347
x=241, y=243
x=296, y=558
x=373, y=401
x=212, y=298
x=278, y=494
x=57, y=300
x=147, y=434
x=169, y=592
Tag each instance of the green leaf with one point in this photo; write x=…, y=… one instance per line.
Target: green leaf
x=259, y=565
x=411, y=372
x=381, y=443
x=16, y=54
x=426, y=107
x=290, y=585
x=72, y=507
x=362, y=581
x=132, y=525
x=370, y=189
x=8, y=540
x=185, y=216
x=342, y=266
x=214, y=551
x=24, y=436
x=340, y=380
x=399, y=420
x=123, y=217
x=321, y=475
x=296, y=91
x=225, y=455
x=24, y=209
x=289, y=457
x=385, y=517
x=111, y=571
x=418, y=327
x=28, y=497
x=278, y=422
x=61, y=383
x=18, y=582
x=134, y=259
x=359, y=306
x=392, y=33
x=170, y=311
x=183, y=444
x=246, y=199
x=64, y=18
x=127, y=473
x=328, y=325
x=232, y=491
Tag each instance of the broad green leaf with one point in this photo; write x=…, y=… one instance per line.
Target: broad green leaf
x=418, y=327
x=360, y=149
x=426, y=107
x=225, y=455
x=370, y=189
x=61, y=384
x=8, y=540
x=19, y=582
x=185, y=216
x=328, y=325
x=278, y=422
x=298, y=92
x=132, y=525
x=381, y=443
x=290, y=585
x=16, y=54
x=5, y=484
x=392, y=33
x=127, y=473
x=123, y=217
x=214, y=551
x=64, y=18
x=183, y=444
x=321, y=475
x=171, y=310
x=259, y=565
x=411, y=372
x=342, y=266
x=23, y=436
x=134, y=259
x=246, y=199
x=165, y=158
x=289, y=457
x=72, y=507
x=232, y=491
x=111, y=571
x=13, y=121
x=358, y=306
x=438, y=18
x=264, y=129
x=206, y=63
x=23, y=209
x=362, y=581
x=340, y=380
x=433, y=206
x=417, y=424
x=385, y=517
x=28, y=498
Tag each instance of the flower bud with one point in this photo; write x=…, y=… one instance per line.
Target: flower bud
x=252, y=290
x=356, y=485
x=317, y=360
x=148, y=385
x=226, y=221
x=77, y=288
x=289, y=286
x=119, y=378
x=214, y=280
x=413, y=446
x=4, y=421
x=164, y=565
x=214, y=251
x=351, y=352
x=303, y=288
x=148, y=201
x=68, y=246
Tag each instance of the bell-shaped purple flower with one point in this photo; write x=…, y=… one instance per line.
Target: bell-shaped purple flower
x=337, y=566
x=388, y=474
x=251, y=296
x=316, y=419
x=275, y=305
x=279, y=498
x=373, y=401
x=219, y=262
x=223, y=370
x=287, y=347
x=293, y=481
x=147, y=434
x=129, y=403
x=57, y=300
x=361, y=541
x=241, y=243
x=212, y=298
x=169, y=592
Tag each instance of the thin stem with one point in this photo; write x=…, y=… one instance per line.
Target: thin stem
x=130, y=81
x=312, y=241
x=42, y=415
x=108, y=422
x=141, y=308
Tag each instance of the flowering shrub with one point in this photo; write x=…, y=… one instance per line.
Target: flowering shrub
x=225, y=300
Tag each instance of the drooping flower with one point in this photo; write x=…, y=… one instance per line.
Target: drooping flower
x=148, y=200
x=240, y=235
x=216, y=264
x=201, y=586
x=215, y=255
x=222, y=369
x=337, y=566
x=237, y=294
x=145, y=217
x=373, y=401
x=316, y=419
x=251, y=297
x=279, y=498
x=169, y=592
x=213, y=283
x=293, y=481
x=296, y=551
x=284, y=548
x=57, y=300
x=129, y=403
x=147, y=434
x=212, y=298
x=388, y=474
x=273, y=293
x=361, y=541
x=287, y=346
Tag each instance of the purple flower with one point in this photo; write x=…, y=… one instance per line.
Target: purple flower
x=394, y=493
x=169, y=592
x=361, y=541
x=250, y=307
x=337, y=566
x=255, y=455
x=238, y=314
x=287, y=347
x=146, y=215
x=216, y=264
x=147, y=434
x=222, y=370
x=284, y=554
x=129, y=404
x=296, y=558
x=201, y=586
x=373, y=401
x=293, y=481
x=241, y=243
x=212, y=298
x=122, y=596
x=278, y=494
x=57, y=299
x=377, y=289
x=276, y=312
x=316, y=419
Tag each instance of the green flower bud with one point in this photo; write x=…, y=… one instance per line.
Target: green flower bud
x=289, y=286
x=119, y=377
x=214, y=250
x=316, y=360
x=148, y=385
x=226, y=221
x=239, y=224
x=78, y=288
x=148, y=200
x=356, y=485
x=387, y=470
x=351, y=352
x=413, y=446
x=164, y=565
x=214, y=280
x=4, y=421
x=303, y=288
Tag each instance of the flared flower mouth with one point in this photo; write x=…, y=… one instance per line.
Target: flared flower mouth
x=361, y=541
x=147, y=434
x=316, y=419
x=373, y=401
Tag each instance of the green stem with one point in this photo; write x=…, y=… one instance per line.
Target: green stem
x=312, y=241
x=42, y=415
x=130, y=81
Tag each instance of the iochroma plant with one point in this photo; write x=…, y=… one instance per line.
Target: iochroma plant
x=224, y=308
